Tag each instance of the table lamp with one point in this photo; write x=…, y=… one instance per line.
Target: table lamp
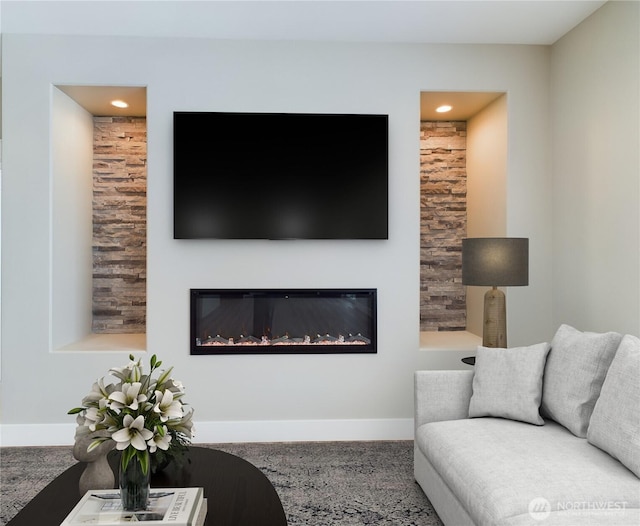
x=495, y=262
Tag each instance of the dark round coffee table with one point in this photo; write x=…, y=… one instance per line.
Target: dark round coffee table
x=237, y=493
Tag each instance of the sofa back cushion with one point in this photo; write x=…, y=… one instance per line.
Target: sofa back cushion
x=575, y=370
x=508, y=383
x=615, y=422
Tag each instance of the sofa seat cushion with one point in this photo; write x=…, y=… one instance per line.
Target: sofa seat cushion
x=499, y=468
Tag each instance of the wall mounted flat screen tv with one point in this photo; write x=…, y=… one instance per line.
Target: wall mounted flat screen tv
x=280, y=176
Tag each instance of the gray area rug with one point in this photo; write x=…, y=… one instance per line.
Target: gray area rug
x=319, y=483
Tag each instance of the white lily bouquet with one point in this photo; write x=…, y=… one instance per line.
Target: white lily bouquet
x=143, y=415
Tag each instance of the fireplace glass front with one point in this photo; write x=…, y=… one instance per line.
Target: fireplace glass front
x=277, y=321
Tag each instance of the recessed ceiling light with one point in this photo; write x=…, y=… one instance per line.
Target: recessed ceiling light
x=119, y=104
x=443, y=109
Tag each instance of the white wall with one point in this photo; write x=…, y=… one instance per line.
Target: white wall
x=487, y=153
x=596, y=149
x=71, y=209
x=316, y=396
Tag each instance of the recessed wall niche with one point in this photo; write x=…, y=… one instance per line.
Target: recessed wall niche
x=463, y=163
x=98, y=216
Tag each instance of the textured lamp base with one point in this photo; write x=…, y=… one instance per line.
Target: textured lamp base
x=494, y=332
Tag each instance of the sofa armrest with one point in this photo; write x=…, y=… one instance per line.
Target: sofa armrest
x=441, y=395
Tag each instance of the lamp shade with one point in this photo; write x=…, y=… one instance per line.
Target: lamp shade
x=495, y=261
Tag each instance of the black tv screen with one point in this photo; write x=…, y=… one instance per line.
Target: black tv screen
x=280, y=176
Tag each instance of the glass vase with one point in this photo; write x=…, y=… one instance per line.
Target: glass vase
x=134, y=485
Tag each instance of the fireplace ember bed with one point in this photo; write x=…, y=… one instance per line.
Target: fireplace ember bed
x=283, y=321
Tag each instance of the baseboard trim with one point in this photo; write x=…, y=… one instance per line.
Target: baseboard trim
x=15, y=435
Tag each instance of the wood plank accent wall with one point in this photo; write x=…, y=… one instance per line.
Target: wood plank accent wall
x=443, y=224
x=119, y=225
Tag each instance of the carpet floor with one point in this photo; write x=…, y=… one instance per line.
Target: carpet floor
x=319, y=483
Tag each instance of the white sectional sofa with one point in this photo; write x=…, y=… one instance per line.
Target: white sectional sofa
x=484, y=454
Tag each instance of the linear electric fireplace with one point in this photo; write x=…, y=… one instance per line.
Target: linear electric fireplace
x=276, y=321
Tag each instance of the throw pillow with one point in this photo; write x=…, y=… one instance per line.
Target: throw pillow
x=615, y=422
x=507, y=383
x=573, y=376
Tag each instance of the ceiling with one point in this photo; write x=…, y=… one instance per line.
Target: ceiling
x=533, y=22
x=426, y=21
